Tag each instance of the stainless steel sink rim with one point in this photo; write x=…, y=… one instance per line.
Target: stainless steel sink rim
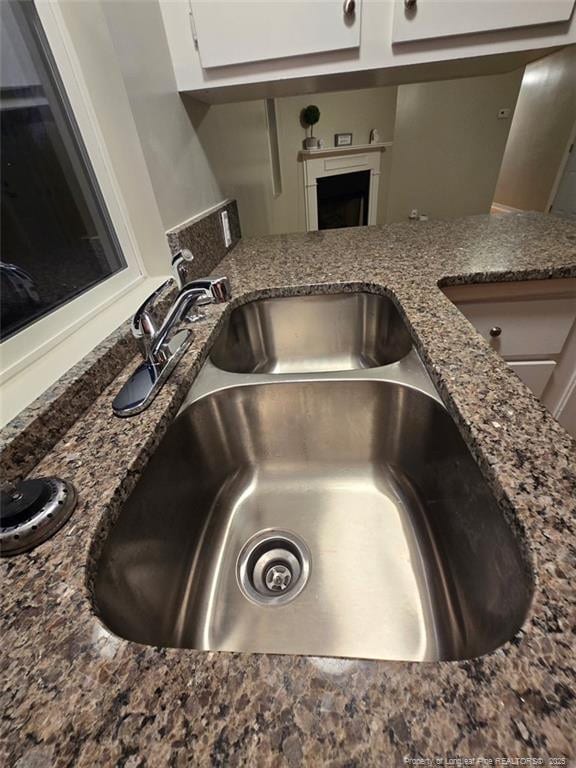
x=265, y=551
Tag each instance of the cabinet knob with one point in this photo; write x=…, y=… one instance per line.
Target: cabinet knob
x=495, y=331
x=410, y=4
x=349, y=7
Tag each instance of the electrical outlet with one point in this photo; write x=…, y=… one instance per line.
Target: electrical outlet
x=226, y=228
x=504, y=114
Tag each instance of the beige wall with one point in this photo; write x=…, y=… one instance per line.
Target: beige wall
x=235, y=140
x=234, y=137
x=183, y=181
x=542, y=126
x=448, y=145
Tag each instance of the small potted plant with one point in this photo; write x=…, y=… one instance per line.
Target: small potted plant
x=309, y=117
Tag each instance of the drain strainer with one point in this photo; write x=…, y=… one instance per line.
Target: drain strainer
x=273, y=567
x=32, y=511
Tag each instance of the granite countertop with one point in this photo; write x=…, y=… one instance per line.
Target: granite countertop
x=74, y=694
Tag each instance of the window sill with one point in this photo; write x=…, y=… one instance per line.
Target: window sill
x=19, y=390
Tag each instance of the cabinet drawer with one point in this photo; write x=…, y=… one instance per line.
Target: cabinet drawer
x=534, y=373
x=532, y=328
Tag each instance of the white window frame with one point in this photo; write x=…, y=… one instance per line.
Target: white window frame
x=25, y=347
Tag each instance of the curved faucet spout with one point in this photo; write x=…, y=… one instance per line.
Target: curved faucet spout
x=197, y=293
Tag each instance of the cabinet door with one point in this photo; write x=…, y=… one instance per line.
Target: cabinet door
x=428, y=19
x=239, y=31
x=534, y=373
x=524, y=329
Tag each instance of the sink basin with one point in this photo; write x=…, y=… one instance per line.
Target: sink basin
x=300, y=334
x=326, y=517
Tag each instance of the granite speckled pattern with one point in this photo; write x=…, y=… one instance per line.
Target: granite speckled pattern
x=205, y=239
x=73, y=694
x=29, y=436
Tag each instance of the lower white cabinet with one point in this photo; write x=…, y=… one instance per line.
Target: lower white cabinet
x=532, y=324
x=567, y=410
x=523, y=328
x=534, y=373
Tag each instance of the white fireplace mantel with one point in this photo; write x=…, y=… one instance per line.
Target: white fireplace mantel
x=332, y=161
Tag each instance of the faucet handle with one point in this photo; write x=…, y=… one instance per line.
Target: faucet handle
x=220, y=290
x=143, y=326
x=179, y=266
x=210, y=290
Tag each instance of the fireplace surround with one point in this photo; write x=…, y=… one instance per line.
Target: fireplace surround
x=319, y=164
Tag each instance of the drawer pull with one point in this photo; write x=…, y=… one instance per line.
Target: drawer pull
x=349, y=7
x=495, y=331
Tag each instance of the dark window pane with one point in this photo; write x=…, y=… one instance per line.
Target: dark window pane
x=57, y=240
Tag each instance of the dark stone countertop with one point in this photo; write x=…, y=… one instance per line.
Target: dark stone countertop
x=74, y=694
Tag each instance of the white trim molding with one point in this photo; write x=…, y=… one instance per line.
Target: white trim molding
x=19, y=351
x=23, y=384
x=560, y=172
x=335, y=161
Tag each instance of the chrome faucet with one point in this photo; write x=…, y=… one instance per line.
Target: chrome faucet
x=153, y=341
x=163, y=345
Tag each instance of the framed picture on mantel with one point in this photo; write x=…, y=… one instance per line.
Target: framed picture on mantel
x=342, y=139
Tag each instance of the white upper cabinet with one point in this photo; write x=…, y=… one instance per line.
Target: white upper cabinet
x=231, y=50
x=237, y=32
x=428, y=19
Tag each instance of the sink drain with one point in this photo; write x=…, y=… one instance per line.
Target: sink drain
x=273, y=567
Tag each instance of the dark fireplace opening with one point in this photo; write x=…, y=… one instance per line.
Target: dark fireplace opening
x=343, y=200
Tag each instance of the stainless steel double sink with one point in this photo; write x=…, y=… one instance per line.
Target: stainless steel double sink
x=314, y=496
